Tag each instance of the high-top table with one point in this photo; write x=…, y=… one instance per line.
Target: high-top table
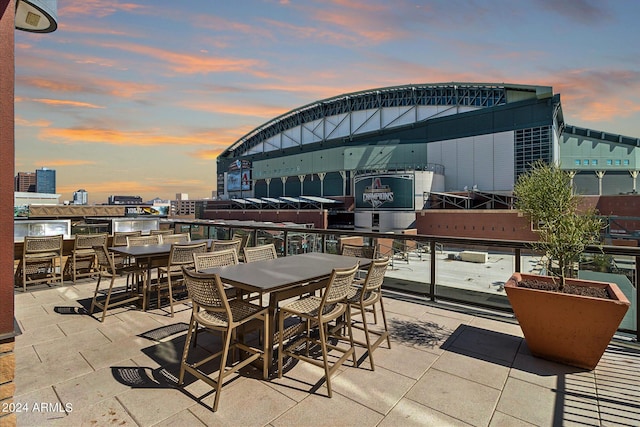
x=150, y=256
x=284, y=278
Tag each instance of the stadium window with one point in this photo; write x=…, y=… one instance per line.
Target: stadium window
x=609, y=163
x=626, y=162
x=617, y=162
x=594, y=162
x=577, y=162
x=585, y=162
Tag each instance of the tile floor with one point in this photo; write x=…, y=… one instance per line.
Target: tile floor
x=445, y=367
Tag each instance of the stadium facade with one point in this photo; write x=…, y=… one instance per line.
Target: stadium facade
x=394, y=149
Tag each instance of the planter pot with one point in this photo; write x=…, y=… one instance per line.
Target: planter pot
x=570, y=329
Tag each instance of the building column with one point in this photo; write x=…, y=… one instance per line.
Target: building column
x=268, y=181
x=7, y=156
x=600, y=175
x=634, y=176
x=321, y=175
x=284, y=186
x=301, y=178
x=343, y=174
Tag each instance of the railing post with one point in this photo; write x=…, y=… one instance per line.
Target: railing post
x=286, y=243
x=518, y=265
x=637, y=307
x=432, y=285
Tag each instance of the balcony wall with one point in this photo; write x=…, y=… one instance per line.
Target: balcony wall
x=479, y=224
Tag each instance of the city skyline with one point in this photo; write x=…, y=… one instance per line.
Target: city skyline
x=139, y=98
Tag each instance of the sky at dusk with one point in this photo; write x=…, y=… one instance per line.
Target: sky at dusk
x=139, y=97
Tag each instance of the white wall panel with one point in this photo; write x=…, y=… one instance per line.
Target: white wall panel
x=291, y=137
x=503, y=167
x=465, y=163
x=483, y=162
x=397, y=116
x=312, y=132
x=450, y=162
x=337, y=126
x=365, y=121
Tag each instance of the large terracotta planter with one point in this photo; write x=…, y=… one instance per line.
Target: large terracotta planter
x=570, y=329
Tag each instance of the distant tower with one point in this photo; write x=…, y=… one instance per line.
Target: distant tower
x=46, y=181
x=25, y=182
x=80, y=197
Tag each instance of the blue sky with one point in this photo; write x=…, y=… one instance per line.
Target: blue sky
x=139, y=97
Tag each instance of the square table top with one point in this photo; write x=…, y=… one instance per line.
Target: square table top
x=152, y=250
x=283, y=272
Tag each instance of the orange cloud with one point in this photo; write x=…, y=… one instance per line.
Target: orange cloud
x=206, y=154
x=20, y=121
x=191, y=64
x=218, y=137
x=253, y=110
x=117, y=88
x=99, y=8
x=60, y=102
x=69, y=162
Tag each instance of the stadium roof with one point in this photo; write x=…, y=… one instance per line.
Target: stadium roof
x=473, y=95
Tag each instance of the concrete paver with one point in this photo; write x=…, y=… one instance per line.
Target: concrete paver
x=445, y=367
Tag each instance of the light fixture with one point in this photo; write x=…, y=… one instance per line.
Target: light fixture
x=37, y=16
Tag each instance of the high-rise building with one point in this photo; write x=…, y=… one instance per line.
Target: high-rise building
x=45, y=181
x=80, y=197
x=25, y=182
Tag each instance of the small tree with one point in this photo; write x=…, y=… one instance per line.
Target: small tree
x=544, y=193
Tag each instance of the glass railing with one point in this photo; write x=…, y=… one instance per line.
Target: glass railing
x=457, y=270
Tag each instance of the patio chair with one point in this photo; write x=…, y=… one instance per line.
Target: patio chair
x=41, y=261
x=259, y=253
x=212, y=310
x=244, y=241
x=358, y=251
x=215, y=259
x=363, y=298
x=109, y=271
x=175, y=238
x=120, y=239
x=331, y=305
x=163, y=232
x=179, y=256
x=82, y=262
x=219, y=245
x=154, y=239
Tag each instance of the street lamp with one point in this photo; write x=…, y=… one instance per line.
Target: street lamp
x=37, y=16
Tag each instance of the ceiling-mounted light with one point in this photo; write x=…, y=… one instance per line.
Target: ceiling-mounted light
x=37, y=16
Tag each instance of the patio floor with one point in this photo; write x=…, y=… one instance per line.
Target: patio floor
x=445, y=367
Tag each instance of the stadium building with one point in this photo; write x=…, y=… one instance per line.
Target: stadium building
x=397, y=150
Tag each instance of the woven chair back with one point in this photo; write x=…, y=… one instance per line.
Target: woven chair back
x=358, y=251
x=260, y=253
x=105, y=262
x=88, y=241
x=375, y=274
x=41, y=244
x=339, y=284
x=156, y=239
x=162, y=232
x=219, y=245
x=215, y=259
x=206, y=291
x=176, y=238
x=182, y=254
x=120, y=237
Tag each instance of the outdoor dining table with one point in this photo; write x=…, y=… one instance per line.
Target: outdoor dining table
x=283, y=278
x=150, y=256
